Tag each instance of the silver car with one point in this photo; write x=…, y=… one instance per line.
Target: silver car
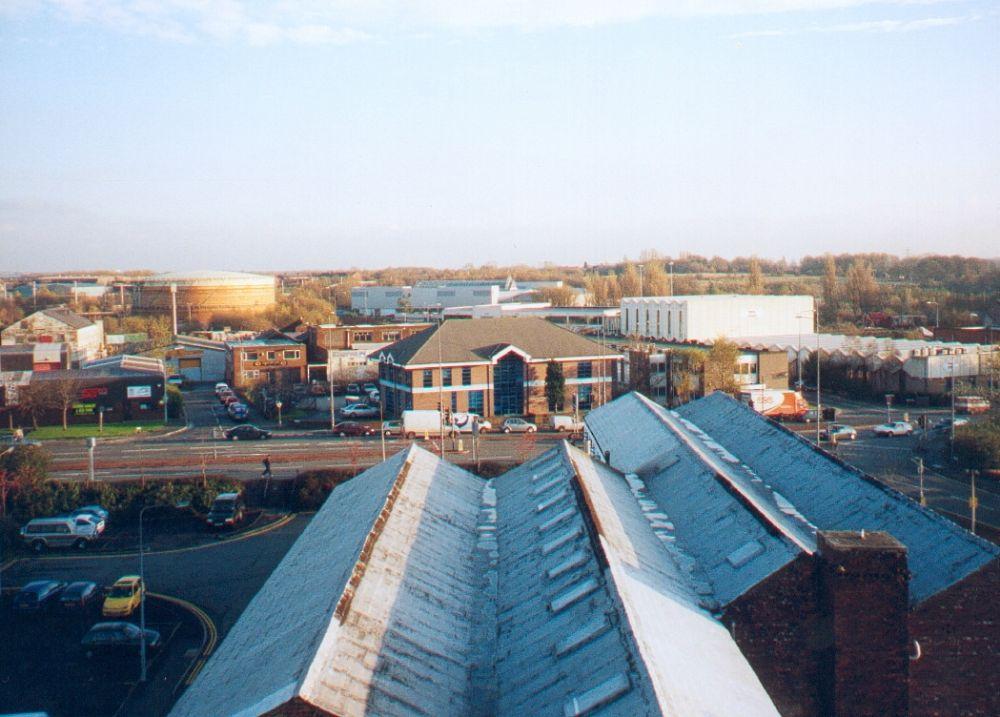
x=43, y=533
x=518, y=425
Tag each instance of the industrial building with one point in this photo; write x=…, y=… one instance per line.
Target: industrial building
x=845, y=596
x=419, y=588
x=493, y=367
x=197, y=359
x=379, y=300
x=55, y=326
x=204, y=297
x=707, y=317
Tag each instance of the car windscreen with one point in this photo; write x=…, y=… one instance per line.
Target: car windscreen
x=120, y=591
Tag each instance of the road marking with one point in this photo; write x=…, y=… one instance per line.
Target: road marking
x=210, y=636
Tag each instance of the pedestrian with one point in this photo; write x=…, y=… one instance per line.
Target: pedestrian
x=267, y=467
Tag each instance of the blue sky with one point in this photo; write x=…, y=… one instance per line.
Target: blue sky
x=180, y=134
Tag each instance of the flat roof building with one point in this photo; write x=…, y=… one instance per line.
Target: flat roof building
x=707, y=317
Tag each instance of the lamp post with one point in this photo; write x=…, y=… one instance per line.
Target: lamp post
x=642, y=269
x=278, y=404
x=142, y=587
x=951, y=432
x=671, y=278
x=937, y=312
x=813, y=314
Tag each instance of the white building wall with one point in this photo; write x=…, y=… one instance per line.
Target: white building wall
x=704, y=318
x=377, y=299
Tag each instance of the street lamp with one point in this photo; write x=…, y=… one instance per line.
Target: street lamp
x=277, y=404
x=142, y=587
x=814, y=314
x=937, y=312
x=671, y=278
x=951, y=450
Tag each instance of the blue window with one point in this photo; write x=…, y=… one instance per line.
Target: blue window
x=467, y=376
x=454, y=401
x=476, y=402
x=446, y=376
x=584, y=395
x=508, y=386
x=584, y=369
x=428, y=378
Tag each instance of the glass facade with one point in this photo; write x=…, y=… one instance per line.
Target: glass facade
x=476, y=402
x=508, y=386
x=446, y=376
x=585, y=396
x=584, y=369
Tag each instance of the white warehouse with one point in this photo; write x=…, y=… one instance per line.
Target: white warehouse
x=707, y=317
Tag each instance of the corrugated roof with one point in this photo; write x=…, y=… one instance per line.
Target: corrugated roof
x=477, y=340
x=70, y=318
x=729, y=546
x=591, y=605
x=834, y=496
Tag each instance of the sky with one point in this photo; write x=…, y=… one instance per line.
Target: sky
x=318, y=134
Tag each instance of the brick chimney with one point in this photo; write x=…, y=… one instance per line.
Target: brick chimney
x=863, y=594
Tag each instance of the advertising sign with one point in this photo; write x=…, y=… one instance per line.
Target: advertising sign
x=139, y=392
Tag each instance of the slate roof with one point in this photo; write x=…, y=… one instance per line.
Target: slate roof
x=70, y=318
x=729, y=547
x=593, y=609
x=478, y=340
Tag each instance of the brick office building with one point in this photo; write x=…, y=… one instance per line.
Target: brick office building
x=895, y=616
x=270, y=359
x=493, y=367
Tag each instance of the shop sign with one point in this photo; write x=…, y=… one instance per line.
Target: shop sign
x=139, y=392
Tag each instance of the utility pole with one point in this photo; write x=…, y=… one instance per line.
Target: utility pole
x=440, y=328
x=920, y=474
x=671, y=278
x=951, y=450
x=91, y=444
x=973, y=502
x=173, y=305
x=642, y=269
x=819, y=400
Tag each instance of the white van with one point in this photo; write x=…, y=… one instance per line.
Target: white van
x=417, y=423
x=43, y=533
x=565, y=424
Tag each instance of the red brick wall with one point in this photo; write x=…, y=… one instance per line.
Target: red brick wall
x=958, y=630
x=774, y=624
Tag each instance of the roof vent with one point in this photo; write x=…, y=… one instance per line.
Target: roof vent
x=590, y=630
x=548, y=486
x=598, y=696
x=549, y=502
x=560, y=541
x=745, y=553
x=573, y=561
x=573, y=595
x=556, y=519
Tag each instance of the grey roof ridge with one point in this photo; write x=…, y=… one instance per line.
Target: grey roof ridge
x=682, y=562
x=310, y=674
x=893, y=493
x=756, y=494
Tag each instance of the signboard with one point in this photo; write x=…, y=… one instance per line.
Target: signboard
x=93, y=392
x=84, y=409
x=139, y=392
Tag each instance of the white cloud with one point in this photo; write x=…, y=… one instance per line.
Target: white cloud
x=872, y=26
x=260, y=22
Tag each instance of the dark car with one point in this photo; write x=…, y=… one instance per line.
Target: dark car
x=117, y=636
x=38, y=595
x=246, y=432
x=226, y=511
x=79, y=595
x=353, y=428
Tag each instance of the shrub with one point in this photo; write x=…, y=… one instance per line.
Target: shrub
x=175, y=401
x=313, y=487
x=978, y=447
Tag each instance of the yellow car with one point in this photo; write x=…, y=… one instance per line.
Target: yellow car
x=124, y=597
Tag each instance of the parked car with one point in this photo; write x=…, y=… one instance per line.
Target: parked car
x=944, y=425
x=392, y=428
x=230, y=399
x=360, y=410
x=566, y=423
x=100, y=511
x=124, y=597
x=38, y=595
x=61, y=532
x=353, y=388
x=838, y=431
x=118, y=636
x=353, y=428
x=220, y=387
x=518, y=425
x=896, y=428
x=246, y=432
x=79, y=595
x=374, y=397
x=971, y=404
x=238, y=411
x=175, y=379
x=226, y=511
x=99, y=523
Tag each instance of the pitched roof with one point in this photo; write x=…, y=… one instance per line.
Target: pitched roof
x=369, y=611
x=593, y=606
x=478, y=340
x=70, y=318
x=810, y=489
x=729, y=547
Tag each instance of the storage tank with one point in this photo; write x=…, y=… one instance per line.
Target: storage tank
x=205, y=296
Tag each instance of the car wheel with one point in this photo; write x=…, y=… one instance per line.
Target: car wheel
x=506, y=429
x=342, y=434
x=531, y=429
x=560, y=429
x=411, y=435
x=38, y=546
x=267, y=436
x=234, y=438
x=80, y=544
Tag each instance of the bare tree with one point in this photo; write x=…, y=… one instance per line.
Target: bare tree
x=34, y=399
x=65, y=391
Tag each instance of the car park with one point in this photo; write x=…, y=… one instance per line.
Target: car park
x=895, y=428
x=353, y=428
x=79, y=595
x=42, y=534
x=246, y=432
x=838, y=432
x=38, y=595
x=226, y=511
x=118, y=637
x=360, y=410
x=124, y=597
x=368, y=388
x=518, y=425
